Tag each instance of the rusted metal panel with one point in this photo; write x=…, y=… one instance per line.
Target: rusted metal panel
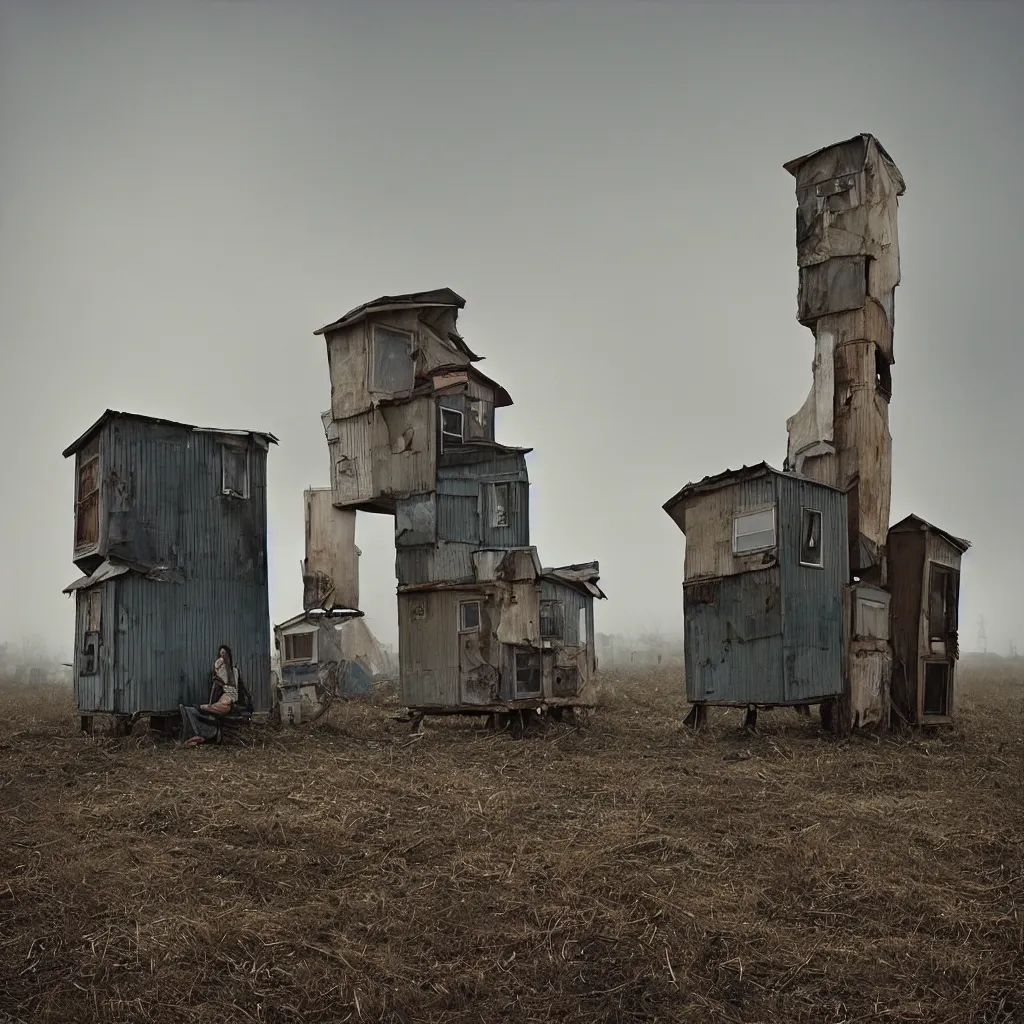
x=458, y=518
x=330, y=572
x=518, y=614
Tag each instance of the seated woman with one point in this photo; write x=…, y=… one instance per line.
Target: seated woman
x=203, y=724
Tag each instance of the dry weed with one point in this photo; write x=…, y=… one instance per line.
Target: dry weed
x=625, y=871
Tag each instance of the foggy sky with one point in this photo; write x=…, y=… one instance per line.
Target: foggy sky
x=189, y=190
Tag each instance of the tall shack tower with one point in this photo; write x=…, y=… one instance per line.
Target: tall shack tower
x=848, y=257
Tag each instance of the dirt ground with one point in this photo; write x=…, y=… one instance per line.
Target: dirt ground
x=619, y=872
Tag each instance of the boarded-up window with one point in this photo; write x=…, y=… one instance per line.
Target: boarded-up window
x=392, y=369
x=872, y=619
x=527, y=673
x=451, y=428
x=552, y=620
x=810, y=538
x=754, y=531
x=298, y=647
x=87, y=504
x=469, y=616
x=234, y=471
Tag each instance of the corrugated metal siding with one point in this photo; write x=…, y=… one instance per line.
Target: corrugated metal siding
x=444, y=562
x=733, y=639
x=812, y=598
x=415, y=520
x=516, y=533
x=162, y=638
x=428, y=648
x=458, y=518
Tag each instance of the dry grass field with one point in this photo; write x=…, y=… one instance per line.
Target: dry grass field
x=625, y=871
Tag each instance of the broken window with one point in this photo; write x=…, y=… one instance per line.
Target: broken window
x=501, y=501
x=810, y=538
x=552, y=620
x=469, y=616
x=479, y=417
x=527, y=673
x=87, y=503
x=392, y=368
x=942, y=602
x=298, y=647
x=234, y=471
x=753, y=531
x=451, y=428
x=883, y=375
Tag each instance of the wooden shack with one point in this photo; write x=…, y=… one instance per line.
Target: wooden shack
x=924, y=580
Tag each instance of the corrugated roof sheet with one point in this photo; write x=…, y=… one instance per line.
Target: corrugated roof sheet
x=265, y=437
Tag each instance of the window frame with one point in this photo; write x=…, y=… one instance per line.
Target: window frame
x=737, y=516
x=536, y=666
x=463, y=628
x=288, y=643
x=559, y=608
x=442, y=411
x=804, y=509
x=234, y=449
x=506, y=506
x=372, y=385
x=92, y=497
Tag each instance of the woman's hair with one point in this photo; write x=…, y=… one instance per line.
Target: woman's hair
x=227, y=650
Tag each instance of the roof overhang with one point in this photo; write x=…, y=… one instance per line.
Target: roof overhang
x=439, y=298
x=261, y=437
x=916, y=523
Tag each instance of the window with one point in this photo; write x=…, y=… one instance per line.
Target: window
x=501, y=495
x=234, y=471
x=451, y=428
x=527, y=673
x=87, y=503
x=479, y=417
x=582, y=627
x=93, y=609
x=552, y=619
x=298, y=647
x=883, y=375
x=90, y=663
x=392, y=368
x=469, y=616
x=810, y=538
x=936, y=688
x=942, y=602
x=754, y=531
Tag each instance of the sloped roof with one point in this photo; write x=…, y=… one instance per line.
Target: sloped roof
x=793, y=166
x=913, y=522
x=583, y=576
x=262, y=436
x=502, y=399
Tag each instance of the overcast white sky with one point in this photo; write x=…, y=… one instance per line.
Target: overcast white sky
x=189, y=189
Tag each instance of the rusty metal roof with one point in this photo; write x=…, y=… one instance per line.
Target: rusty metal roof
x=913, y=522
x=261, y=435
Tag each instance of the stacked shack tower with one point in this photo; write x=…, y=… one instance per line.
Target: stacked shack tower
x=849, y=266
x=796, y=589
x=483, y=627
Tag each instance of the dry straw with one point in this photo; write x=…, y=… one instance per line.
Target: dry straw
x=622, y=872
